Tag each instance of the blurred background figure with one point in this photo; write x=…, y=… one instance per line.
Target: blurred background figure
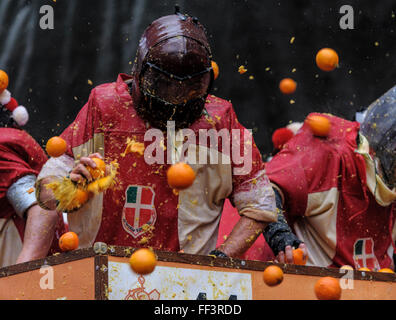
x=338, y=186
x=26, y=231
x=359, y=116
x=281, y=136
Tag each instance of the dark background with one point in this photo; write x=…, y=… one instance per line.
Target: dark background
x=97, y=39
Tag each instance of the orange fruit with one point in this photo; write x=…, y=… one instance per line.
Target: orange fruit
x=216, y=70
x=327, y=59
x=143, y=261
x=298, y=257
x=347, y=267
x=328, y=288
x=81, y=197
x=68, y=241
x=100, y=169
x=180, y=176
x=3, y=81
x=273, y=276
x=320, y=125
x=386, y=270
x=288, y=86
x=364, y=269
x=56, y=147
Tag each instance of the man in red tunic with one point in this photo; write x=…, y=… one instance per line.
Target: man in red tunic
x=339, y=192
x=170, y=82
x=26, y=230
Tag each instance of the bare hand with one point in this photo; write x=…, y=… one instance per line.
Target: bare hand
x=287, y=255
x=80, y=172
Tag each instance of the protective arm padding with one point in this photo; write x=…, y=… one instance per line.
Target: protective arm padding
x=20, y=197
x=255, y=199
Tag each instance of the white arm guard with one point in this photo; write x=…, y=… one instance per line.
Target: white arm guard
x=19, y=196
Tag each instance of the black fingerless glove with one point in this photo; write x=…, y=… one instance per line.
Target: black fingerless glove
x=218, y=254
x=278, y=234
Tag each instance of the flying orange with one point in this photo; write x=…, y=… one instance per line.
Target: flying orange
x=3, y=81
x=68, y=241
x=327, y=59
x=273, y=276
x=143, y=261
x=328, y=288
x=288, y=86
x=180, y=176
x=56, y=147
x=320, y=125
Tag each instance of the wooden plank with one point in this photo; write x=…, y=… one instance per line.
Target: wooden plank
x=73, y=280
x=101, y=277
x=199, y=260
x=50, y=261
x=181, y=281
x=119, y=251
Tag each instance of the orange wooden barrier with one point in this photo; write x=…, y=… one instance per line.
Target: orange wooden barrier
x=104, y=273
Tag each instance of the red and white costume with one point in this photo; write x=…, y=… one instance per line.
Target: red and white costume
x=142, y=209
x=333, y=198
x=21, y=159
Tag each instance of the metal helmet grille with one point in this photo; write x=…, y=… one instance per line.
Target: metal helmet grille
x=172, y=71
